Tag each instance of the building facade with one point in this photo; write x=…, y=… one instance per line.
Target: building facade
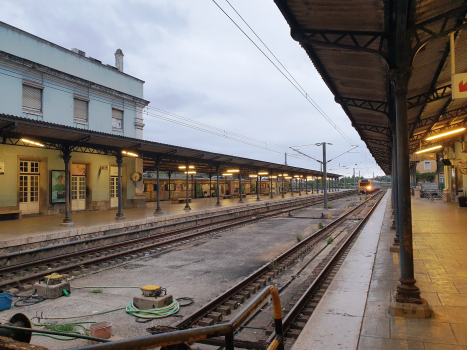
x=46, y=82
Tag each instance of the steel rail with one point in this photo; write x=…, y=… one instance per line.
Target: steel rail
x=299, y=306
x=139, y=230
x=190, y=335
x=189, y=320
x=79, y=264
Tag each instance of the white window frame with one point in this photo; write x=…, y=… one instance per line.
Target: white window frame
x=85, y=99
x=123, y=117
x=37, y=86
x=427, y=165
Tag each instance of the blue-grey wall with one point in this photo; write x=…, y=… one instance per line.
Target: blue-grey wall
x=27, y=46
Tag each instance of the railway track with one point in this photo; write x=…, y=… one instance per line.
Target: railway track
x=344, y=230
x=81, y=257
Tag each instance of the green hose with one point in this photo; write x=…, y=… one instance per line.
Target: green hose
x=65, y=328
x=153, y=313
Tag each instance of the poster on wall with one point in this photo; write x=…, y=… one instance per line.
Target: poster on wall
x=78, y=169
x=57, y=186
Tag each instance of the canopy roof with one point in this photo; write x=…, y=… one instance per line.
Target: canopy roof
x=55, y=136
x=348, y=42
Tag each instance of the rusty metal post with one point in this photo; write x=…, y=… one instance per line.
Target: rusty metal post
x=407, y=291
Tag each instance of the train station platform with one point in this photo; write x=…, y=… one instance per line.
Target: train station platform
x=46, y=228
x=353, y=313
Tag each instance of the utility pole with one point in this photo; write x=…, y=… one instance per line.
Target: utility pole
x=285, y=158
x=353, y=177
x=325, y=177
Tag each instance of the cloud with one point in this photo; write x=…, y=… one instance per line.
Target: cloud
x=197, y=64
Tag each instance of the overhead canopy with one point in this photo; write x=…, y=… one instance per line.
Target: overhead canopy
x=348, y=43
x=55, y=136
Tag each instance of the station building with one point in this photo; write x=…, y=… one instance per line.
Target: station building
x=72, y=137
x=45, y=82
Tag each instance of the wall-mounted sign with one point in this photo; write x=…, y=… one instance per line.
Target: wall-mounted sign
x=463, y=168
x=104, y=167
x=2, y=168
x=459, y=86
x=57, y=186
x=78, y=169
x=113, y=171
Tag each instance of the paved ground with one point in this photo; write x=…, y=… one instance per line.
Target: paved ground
x=199, y=270
x=440, y=246
x=27, y=227
x=336, y=321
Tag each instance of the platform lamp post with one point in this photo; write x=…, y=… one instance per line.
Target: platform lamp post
x=66, y=151
x=158, y=208
x=218, y=169
x=187, y=168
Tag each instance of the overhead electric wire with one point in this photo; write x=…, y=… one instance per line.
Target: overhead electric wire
x=303, y=93
x=224, y=134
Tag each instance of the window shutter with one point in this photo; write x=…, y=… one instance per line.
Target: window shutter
x=80, y=109
x=116, y=114
x=32, y=97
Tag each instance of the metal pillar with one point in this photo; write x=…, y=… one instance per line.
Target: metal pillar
x=291, y=185
x=66, y=158
x=240, y=192
x=257, y=187
x=187, y=204
x=325, y=177
x=299, y=186
x=218, y=168
x=407, y=291
x=283, y=196
x=158, y=208
x=306, y=185
x=119, y=215
x=210, y=185
x=169, y=174
x=270, y=186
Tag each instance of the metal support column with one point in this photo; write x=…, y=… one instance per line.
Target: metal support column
x=210, y=185
x=66, y=158
x=291, y=185
x=299, y=186
x=283, y=196
x=407, y=291
x=306, y=185
x=218, y=169
x=169, y=174
x=240, y=192
x=257, y=187
x=325, y=177
x=187, y=204
x=119, y=215
x=270, y=186
x=158, y=207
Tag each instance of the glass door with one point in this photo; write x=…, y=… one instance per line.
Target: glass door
x=114, y=192
x=78, y=193
x=29, y=187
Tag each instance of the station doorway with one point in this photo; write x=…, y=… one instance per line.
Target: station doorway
x=113, y=186
x=78, y=193
x=29, y=187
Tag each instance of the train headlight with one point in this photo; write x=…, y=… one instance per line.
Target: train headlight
x=368, y=188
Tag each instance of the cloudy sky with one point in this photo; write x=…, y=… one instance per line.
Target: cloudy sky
x=197, y=64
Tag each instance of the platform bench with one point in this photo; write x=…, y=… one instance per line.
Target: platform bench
x=10, y=214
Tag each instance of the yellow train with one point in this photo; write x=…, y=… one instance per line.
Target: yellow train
x=368, y=186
